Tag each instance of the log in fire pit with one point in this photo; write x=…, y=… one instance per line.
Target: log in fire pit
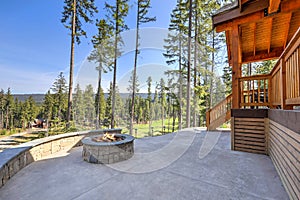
x=107, y=148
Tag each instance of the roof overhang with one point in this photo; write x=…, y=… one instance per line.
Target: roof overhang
x=264, y=26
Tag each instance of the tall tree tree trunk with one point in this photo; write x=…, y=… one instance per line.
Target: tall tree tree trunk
x=162, y=118
x=195, y=68
x=1, y=118
x=188, y=96
x=7, y=121
x=69, y=111
x=180, y=85
x=113, y=107
x=98, y=109
x=134, y=69
x=212, y=71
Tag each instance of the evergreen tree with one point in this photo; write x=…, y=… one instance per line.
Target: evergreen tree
x=189, y=54
x=227, y=73
x=141, y=18
x=149, y=103
x=88, y=103
x=60, y=97
x=17, y=113
x=2, y=108
x=176, y=50
x=265, y=67
x=78, y=106
x=108, y=107
x=117, y=14
x=74, y=12
x=162, y=97
x=27, y=111
x=102, y=54
x=156, y=105
x=47, y=107
x=9, y=108
x=102, y=105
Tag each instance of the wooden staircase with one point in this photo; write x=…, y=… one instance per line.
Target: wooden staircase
x=219, y=114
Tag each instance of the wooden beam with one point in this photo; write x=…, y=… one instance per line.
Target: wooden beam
x=273, y=6
x=254, y=38
x=249, y=18
x=269, y=38
x=227, y=33
x=225, y=21
x=236, y=67
x=262, y=55
x=286, y=34
x=244, y=1
x=240, y=5
x=235, y=13
x=289, y=6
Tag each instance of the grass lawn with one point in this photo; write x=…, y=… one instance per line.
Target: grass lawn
x=143, y=130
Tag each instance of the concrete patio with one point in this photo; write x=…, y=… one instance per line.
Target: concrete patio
x=163, y=168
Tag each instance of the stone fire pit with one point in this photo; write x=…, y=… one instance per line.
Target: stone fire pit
x=102, y=152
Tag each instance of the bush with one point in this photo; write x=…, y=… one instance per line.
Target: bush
x=3, y=132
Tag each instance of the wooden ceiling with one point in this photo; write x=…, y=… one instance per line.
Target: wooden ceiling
x=265, y=27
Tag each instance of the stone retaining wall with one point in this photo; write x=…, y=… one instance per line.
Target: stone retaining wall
x=14, y=159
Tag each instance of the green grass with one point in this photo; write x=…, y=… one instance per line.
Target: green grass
x=142, y=130
x=5, y=132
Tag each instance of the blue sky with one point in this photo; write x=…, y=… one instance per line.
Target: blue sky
x=35, y=46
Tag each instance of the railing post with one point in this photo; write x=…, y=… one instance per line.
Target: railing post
x=208, y=119
x=283, y=84
x=270, y=88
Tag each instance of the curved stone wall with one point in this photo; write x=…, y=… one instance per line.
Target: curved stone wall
x=14, y=159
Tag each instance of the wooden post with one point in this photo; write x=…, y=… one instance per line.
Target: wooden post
x=236, y=67
x=283, y=85
x=270, y=88
x=232, y=133
x=208, y=119
x=267, y=130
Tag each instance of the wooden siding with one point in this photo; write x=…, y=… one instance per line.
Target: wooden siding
x=284, y=150
x=249, y=135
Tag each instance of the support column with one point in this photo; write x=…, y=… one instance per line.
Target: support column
x=283, y=85
x=236, y=67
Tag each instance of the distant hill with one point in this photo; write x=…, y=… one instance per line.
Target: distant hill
x=39, y=98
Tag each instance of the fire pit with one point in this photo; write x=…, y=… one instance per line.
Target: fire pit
x=107, y=148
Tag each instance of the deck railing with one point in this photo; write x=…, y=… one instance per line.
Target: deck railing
x=279, y=89
x=219, y=114
x=254, y=91
x=285, y=77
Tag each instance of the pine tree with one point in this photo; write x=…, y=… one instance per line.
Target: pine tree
x=102, y=105
x=47, y=107
x=102, y=54
x=227, y=73
x=149, y=103
x=108, y=107
x=141, y=18
x=117, y=12
x=88, y=103
x=162, y=97
x=265, y=67
x=78, y=106
x=2, y=108
x=175, y=49
x=74, y=12
x=60, y=97
x=9, y=108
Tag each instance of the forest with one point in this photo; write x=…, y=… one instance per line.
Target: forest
x=180, y=101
